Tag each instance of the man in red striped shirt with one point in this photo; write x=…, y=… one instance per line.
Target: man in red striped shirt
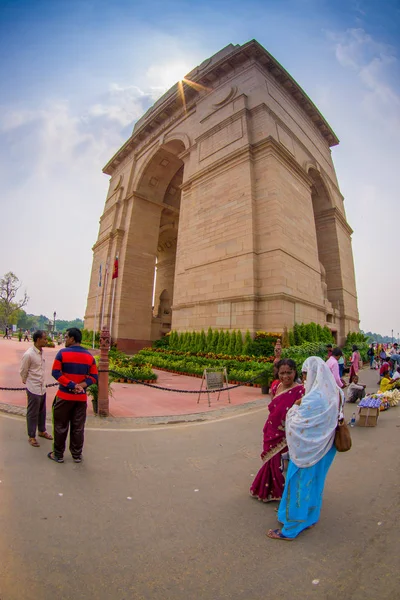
x=75, y=369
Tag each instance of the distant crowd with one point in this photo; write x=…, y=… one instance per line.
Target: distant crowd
x=26, y=335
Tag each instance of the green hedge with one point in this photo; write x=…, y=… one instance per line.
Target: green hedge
x=238, y=370
x=128, y=369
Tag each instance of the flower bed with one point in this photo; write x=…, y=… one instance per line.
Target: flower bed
x=186, y=363
x=127, y=371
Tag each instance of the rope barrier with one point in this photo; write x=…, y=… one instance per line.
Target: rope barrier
x=22, y=389
x=165, y=389
x=158, y=387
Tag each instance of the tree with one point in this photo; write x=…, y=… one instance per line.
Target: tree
x=239, y=343
x=9, y=305
x=221, y=342
x=209, y=340
x=232, y=343
x=247, y=342
x=25, y=321
x=227, y=341
x=214, y=341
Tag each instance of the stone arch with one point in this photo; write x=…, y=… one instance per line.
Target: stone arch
x=159, y=170
x=176, y=135
x=321, y=196
x=326, y=232
x=151, y=241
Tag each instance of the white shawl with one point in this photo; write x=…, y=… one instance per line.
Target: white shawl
x=310, y=427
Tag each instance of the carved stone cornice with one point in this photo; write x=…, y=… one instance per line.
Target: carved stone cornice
x=255, y=298
x=160, y=205
x=109, y=237
x=333, y=214
x=268, y=145
x=169, y=108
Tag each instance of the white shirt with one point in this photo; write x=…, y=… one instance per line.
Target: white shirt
x=353, y=387
x=396, y=375
x=32, y=371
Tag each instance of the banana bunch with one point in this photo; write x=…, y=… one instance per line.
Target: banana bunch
x=393, y=396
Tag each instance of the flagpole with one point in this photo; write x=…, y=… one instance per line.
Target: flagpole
x=115, y=276
x=104, y=294
x=112, y=307
x=97, y=303
x=95, y=316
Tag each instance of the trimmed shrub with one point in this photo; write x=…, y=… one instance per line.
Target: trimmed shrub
x=239, y=343
x=232, y=343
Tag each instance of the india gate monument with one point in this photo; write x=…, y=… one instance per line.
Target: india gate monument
x=226, y=190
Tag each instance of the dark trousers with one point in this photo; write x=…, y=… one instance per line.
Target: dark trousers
x=357, y=395
x=68, y=414
x=35, y=413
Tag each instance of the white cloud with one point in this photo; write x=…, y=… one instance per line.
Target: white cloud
x=374, y=63
x=124, y=104
x=59, y=192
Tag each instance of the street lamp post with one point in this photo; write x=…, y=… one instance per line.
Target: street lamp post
x=54, y=322
x=392, y=336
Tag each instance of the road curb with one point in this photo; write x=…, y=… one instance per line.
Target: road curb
x=127, y=422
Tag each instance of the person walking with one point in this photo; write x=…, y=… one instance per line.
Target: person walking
x=355, y=362
x=26, y=336
x=75, y=369
x=333, y=365
x=310, y=433
x=371, y=356
x=32, y=373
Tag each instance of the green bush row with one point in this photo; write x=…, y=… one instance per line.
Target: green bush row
x=218, y=341
x=125, y=368
x=195, y=365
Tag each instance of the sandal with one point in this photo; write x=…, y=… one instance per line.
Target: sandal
x=45, y=435
x=276, y=534
x=33, y=442
x=52, y=456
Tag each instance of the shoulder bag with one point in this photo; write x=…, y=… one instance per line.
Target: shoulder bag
x=342, y=439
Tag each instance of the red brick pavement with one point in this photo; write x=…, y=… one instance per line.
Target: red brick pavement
x=129, y=400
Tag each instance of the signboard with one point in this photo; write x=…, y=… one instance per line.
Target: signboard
x=214, y=380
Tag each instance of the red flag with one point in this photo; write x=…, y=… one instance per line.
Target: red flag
x=115, y=270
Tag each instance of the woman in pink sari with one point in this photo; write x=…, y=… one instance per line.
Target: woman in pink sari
x=355, y=362
x=269, y=482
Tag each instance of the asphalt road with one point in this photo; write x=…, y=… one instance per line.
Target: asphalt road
x=164, y=513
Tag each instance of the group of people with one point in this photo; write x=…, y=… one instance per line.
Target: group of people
x=75, y=369
x=8, y=332
x=303, y=416
x=380, y=353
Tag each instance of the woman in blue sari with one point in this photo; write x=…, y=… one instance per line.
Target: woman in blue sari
x=310, y=432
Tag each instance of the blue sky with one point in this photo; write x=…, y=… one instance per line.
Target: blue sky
x=77, y=74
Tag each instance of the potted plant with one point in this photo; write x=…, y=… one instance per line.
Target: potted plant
x=265, y=381
x=93, y=392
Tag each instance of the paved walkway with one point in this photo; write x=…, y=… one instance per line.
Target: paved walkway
x=165, y=514
x=128, y=400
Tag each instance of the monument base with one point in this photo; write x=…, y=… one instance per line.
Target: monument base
x=132, y=346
